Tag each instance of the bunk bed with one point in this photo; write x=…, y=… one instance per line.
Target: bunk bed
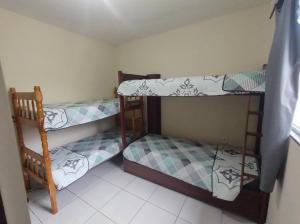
x=58, y=167
x=224, y=176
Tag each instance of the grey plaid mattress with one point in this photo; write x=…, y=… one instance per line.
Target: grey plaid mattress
x=59, y=116
x=205, y=85
x=73, y=160
x=210, y=167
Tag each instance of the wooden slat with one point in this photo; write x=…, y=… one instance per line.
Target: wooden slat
x=25, y=95
x=21, y=107
x=258, y=135
x=18, y=107
x=255, y=113
x=27, y=109
x=36, y=167
x=33, y=109
x=253, y=155
x=250, y=175
x=33, y=154
x=36, y=178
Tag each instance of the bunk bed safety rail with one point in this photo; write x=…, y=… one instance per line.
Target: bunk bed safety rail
x=25, y=107
x=26, y=111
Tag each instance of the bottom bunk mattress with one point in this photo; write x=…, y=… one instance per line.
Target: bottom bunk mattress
x=211, y=167
x=73, y=160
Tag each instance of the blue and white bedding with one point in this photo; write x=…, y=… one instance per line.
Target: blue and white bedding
x=213, y=168
x=73, y=160
x=59, y=116
x=205, y=85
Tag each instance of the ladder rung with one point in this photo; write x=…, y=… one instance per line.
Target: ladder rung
x=254, y=134
x=250, y=175
x=255, y=113
x=252, y=154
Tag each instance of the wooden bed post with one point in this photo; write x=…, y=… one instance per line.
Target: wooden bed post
x=122, y=113
x=122, y=123
x=47, y=161
x=20, y=138
x=154, y=110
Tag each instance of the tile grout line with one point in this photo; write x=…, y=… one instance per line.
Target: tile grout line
x=99, y=210
x=122, y=189
x=89, y=188
x=178, y=216
x=59, y=210
x=96, y=210
x=131, y=220
x=38, y=218
x=157, y=206
x=145, y=202
x=90, y=217
x=138, y=195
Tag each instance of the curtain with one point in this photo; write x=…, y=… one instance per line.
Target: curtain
x=281, y=92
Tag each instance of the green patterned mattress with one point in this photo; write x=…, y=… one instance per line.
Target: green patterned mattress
x=73, y=160
x=203, y=85
x=201, y=165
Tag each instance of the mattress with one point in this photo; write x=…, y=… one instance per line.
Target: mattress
x=59, y=116
x=205, y=85
x=73, y=160
x=211, y=167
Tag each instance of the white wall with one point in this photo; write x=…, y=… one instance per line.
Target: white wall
x=11, y=180
x=231, y=43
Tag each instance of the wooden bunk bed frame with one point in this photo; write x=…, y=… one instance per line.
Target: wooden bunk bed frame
x=251, y=202
x=28, y=110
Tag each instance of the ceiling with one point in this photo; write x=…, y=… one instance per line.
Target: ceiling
x=117, y=21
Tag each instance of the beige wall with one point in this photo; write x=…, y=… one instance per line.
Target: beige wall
x=11, y=180
x=285, y=200
x=232, y=43
x=67, y=66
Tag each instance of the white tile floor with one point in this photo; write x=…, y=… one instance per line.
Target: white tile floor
x=107, y=195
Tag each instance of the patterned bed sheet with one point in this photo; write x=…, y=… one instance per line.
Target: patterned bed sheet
x=59, y=116
x=213, y=168
x=205, y=85
x=73, y=160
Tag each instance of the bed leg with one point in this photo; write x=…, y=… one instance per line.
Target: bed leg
x=264, y=208
x=52, y=194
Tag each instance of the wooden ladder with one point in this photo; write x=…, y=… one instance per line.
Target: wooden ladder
x=257, y=135
x=135, y=105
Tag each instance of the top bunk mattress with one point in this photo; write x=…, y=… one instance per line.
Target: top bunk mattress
x=205, y=85
x=64, y=115
x=211, y=167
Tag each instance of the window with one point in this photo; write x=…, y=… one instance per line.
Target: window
x=298, y=13
x=296, y=123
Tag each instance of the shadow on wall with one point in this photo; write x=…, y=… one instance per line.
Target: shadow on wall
x=2, y=214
